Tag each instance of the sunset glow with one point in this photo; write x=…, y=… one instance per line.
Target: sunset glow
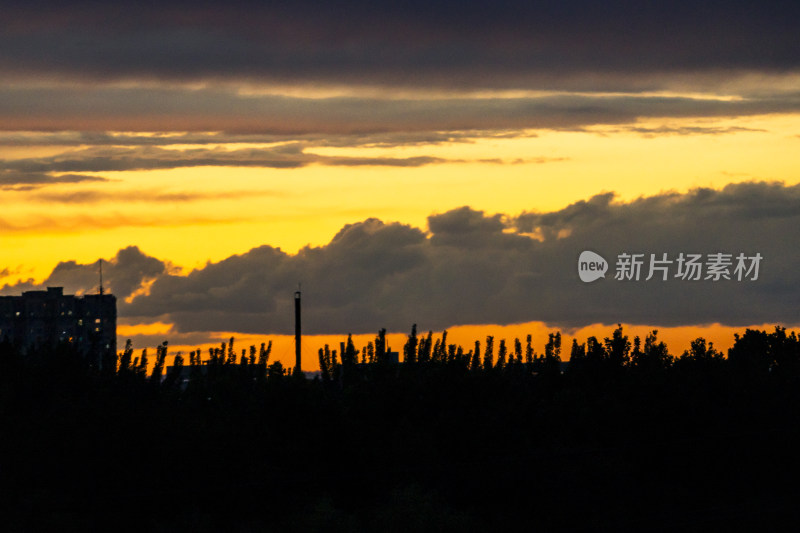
x=194, y=141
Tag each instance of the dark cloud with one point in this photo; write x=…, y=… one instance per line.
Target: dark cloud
x=216, y=109
x=374, y=68
x=22, y=179
x=107, y=159
x=47, y=223
x=30, y=173
x=688, y=130
x=100, y=138
x=375, y=140
x=93, y=196
x=473, y=268
x=436, y=42
x=123, y=275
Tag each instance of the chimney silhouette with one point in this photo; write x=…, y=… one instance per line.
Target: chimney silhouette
x=297, y=357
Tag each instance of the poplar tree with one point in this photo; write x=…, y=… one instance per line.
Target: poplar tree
x=475, y=364
x=529, y=353
x=410, y=348
x=501, y=355
x=488, y=354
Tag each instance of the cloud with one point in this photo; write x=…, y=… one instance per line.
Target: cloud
x=438, y=42
x=30, y=173
x=93, y=196
x=470, y=267
x=24, y=174
x=687, y=130
x=110, y=159
x=374, y=140
x=123, y=275
x=164, y=108
x=38, y=222
x=313, y=68
x=21, y=179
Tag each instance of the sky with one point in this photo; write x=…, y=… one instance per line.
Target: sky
x=439, y=163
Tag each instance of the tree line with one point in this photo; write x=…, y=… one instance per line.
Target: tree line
x=626, y=437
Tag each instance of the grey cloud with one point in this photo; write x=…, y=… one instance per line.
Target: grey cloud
x=43, y=221
x=416, y=138
x=467, y=228
x=123, y=275
x=27, y=179
x=99, y=159
x=106, y=159
x=388, y=161
x=376, y=140
x=689, y=130
x=439, y=42
x=472, y=267
x=93, y=196
x=733, y=204
x=100, y=138
x=216, y=109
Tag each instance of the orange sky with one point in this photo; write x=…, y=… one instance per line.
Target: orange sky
x=240, y=208
x=190, y=216
x=195, y=140
x=676, y=338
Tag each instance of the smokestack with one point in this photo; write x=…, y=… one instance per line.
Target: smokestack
x=297, y=362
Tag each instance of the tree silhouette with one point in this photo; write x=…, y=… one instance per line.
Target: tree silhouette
x=501, y=355
x=410, y=348
x=161, y=357
x=577, y=357
x=475, y=362
x=517, y=352
x=529, y=351
x=551, y=362
x=750, y=354
x=488, y=353
x=617, y=348
x=653, y=357
x=700, y=440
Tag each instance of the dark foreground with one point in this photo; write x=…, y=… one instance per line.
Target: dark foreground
x=619, y=442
